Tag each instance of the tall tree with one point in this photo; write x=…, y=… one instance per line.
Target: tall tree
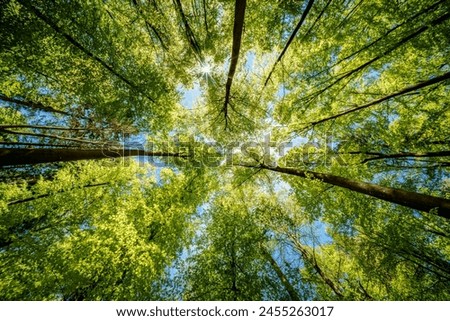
x=344, y=189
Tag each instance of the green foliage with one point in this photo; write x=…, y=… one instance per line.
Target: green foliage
x=346, y=99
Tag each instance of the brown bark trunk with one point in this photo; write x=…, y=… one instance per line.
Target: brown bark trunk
x=33, y=105
x=29, y=156
x=44, y=127
x=417, y=201
x=239, y=15
x=36, y=197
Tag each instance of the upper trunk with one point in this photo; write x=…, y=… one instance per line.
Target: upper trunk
x=30, y=156
x=409, y=199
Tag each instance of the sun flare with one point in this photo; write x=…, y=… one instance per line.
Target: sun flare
x=205, y=68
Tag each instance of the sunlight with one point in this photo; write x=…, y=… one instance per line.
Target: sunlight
x=205, y=68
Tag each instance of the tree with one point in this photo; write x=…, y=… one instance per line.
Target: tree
x=145, y=145
x=20, y=156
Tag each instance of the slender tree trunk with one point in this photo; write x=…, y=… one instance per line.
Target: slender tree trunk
x=29, y=156
x=291, y=38
x=150, y=27
x=412, y=18
x=44, y=127
x=401, y=92
x=404, y=155
x=284, y=280
x=316, y=20
x=311, y=259
x=33, y=105
x=36, y=197
x=399, y=44
x=417, y=201
x=188, y=30
x=239, y=15
x=78, y=140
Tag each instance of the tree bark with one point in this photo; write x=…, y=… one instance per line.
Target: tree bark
x=397, y=45
x=417, y=201
x=77, y=140
x=239, y=15
x=36, y=197
x=44, y=127
x=30, y=156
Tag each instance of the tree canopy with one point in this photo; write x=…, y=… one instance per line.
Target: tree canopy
x=224, y=150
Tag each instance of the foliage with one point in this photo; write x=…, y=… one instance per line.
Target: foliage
x=322, y=92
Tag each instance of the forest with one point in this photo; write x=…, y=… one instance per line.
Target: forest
x=284, y=150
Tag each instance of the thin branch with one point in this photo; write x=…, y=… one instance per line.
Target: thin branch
x=44, y=127
x=407, y=155
x=401, y=92
x=33, y=198
x=188, y=31
x=205, y=17
x=316, y=20
x=291, y=38
x=397, y=45
x=149, y=26
x=351, y=12
x=78, y=45
x=78, y=140
x=293, y=295
x=33, y=105
x=311, y=259
x=414, y=17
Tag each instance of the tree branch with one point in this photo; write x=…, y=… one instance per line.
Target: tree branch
x=291, y=38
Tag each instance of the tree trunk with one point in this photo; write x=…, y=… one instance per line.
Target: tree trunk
x=36, y=197
x=417, y=201
x=33, y=105
x=401, y=92
x=311, y=259
x=30, y=156
x=83, y=48
x=284, y=280
x=239, y=15
x=291, y=38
